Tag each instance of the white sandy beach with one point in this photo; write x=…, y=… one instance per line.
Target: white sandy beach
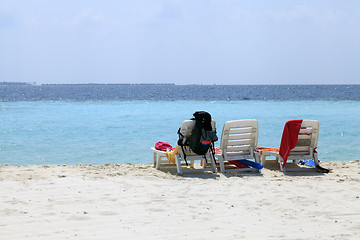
x=140, y=202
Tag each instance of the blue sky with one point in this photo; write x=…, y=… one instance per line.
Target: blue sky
x=181, y=42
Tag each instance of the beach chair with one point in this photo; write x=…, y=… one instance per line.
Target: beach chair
x=161, y=160
x=185, y=155
x=238, y=143
x=299, y=142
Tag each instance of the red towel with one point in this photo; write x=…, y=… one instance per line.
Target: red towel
x=289, y=138
x=163, y=146
x=239, y=164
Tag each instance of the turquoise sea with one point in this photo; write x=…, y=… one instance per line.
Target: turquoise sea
x=98, y=132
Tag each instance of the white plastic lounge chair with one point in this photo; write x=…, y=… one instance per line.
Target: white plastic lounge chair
x=185, y=130
x=160, y=159
x=238, y=141
x=305, y=148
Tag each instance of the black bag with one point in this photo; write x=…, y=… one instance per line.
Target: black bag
x=202, y=136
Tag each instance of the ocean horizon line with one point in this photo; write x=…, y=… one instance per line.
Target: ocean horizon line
x=171, y=84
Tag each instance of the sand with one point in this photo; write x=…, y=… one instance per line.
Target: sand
x=140, y=202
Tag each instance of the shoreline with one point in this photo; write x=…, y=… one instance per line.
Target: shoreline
x=136, y=201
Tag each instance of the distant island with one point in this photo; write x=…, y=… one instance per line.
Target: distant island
x=64, y=84
x=17, y=83
x=108, y=84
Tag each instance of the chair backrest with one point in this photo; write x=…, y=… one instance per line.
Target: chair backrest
x=307, y=140
x=186, y=130
x=239, y=138
x=188, y=125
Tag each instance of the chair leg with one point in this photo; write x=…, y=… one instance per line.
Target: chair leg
x=213, y=164
x=263, y=159
x=178, y=165
x=281, y=164
x=154, y=158
x=257, y=157
x=158, y=159
x=316, y=160
x=222, y=165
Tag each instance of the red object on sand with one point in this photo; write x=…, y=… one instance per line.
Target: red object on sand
x=289, y=138
x=163, y=146
x=238, y=164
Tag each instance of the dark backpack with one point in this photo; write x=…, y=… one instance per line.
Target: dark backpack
x=202, y=136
